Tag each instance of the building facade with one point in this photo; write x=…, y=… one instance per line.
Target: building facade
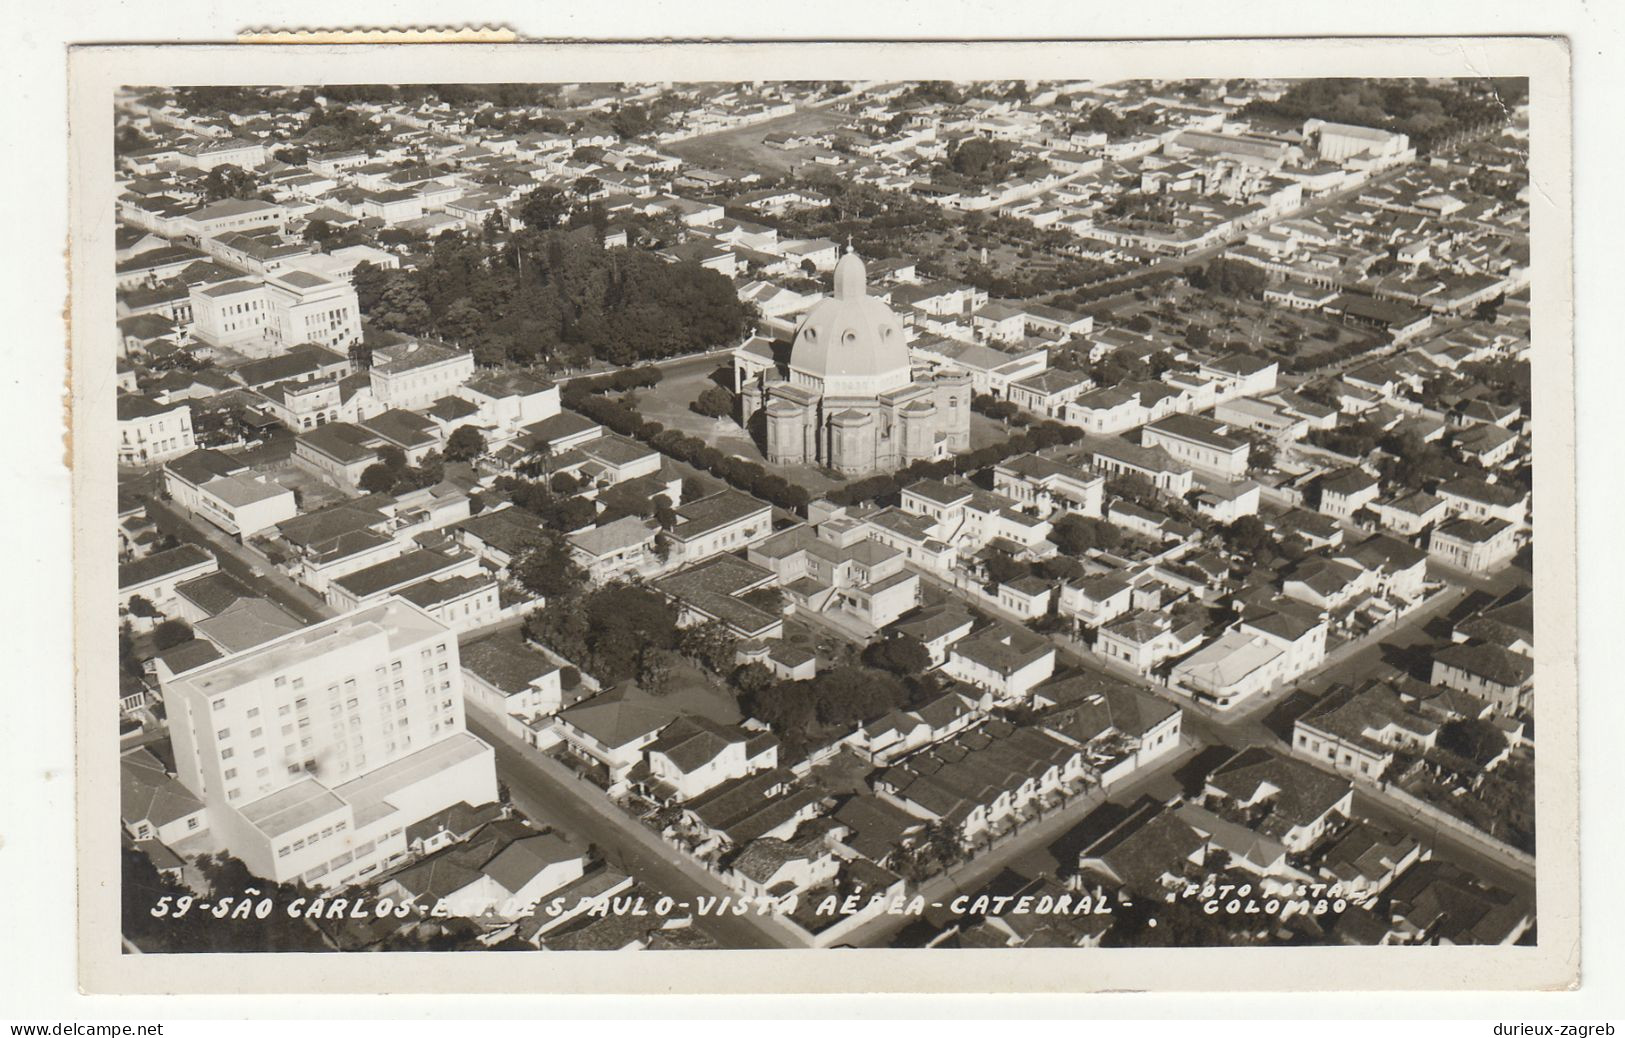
x=849, y=397
x=316, y=750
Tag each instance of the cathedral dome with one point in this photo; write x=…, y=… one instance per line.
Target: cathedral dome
x=851, y=343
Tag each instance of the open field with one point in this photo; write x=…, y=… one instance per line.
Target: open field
x=742, y=147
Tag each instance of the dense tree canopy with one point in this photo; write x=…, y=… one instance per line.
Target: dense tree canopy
x=554, y=297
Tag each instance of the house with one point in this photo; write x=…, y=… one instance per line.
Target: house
x=980, y=781
x=774, y=867
x=1229, y=670
x=416, y=373
x=1398, y=570
x=1439, y=902
x=1002, y=660
x=505, y=677
x=1470, y=498
x=1201, y=443
x=694, y=755
x=730, y=590
x=154, y=805
x=1503, y=678
x=1225, y=502
x=606, y=552
x=155, y=577
x=1488, y=445
x=901, y=732
x=1241, y=374
x=461, y=601
x=1150, y=853
x=1303, y=640
x=1286, y=799
x=761, y=804
x=1326, y=584
x=218, y=488
x=1143, y=640
x=1095, y=600
x=450, y=825
x=610, y=731
x=380, y=580
x=937, y=629
x=501, y=871
x=1365, y=859
x=873, y=827
x=1357, y=732
x=151, y=432
x=1477, y=546
x=1028, y=597
x=339, y=451
x=1345, y=491
x=725, y=521
x=1509, y=622
x=1120, y=727
x=1048, y=392
x=1116, y=457
x=1409, y=514
x=1045, y=485
x=783, y=660
x=1248, y=850
x=501, y=536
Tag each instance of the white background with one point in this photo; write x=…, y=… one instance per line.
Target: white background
x=37, y=979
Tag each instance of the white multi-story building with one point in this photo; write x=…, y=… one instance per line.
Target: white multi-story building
x=417, y=373
x=316, y=750
x=150, y=431
x=264, y=316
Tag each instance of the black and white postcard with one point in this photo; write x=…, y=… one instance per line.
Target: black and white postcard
x=1059, y=515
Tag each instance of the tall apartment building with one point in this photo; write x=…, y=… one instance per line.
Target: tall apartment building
x=317, y=750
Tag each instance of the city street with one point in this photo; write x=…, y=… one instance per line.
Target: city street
x=241, y=563
x=549, y=793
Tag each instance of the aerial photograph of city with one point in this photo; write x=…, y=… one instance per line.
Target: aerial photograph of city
x=824, y=514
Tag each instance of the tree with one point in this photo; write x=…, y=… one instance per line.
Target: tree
x=714, y=402
x=1076, y=534
x=1002, y=568
x=902, y=655
x=1062, y=567
x=752, y=679
x=228, y=181
x=377, y=478
x=465, y=444
x=1473, y=739
x=711, y=644
x=139, y=606
x=171, y=633
x=318, y=230
x=656, y=668
x=543, y=208
x=548, y=570
x=1249, y=536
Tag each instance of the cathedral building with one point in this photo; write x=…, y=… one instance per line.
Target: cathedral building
x=848, y=396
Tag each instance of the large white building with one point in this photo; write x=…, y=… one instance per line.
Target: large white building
x=262, y=317
x=315, y=751
x=415, y=374
x=149, y=431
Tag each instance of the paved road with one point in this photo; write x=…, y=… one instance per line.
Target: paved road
x=1446, y=844
x=547, y=792
x=241, y=563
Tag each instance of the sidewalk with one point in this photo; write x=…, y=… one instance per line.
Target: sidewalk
x=255, y=568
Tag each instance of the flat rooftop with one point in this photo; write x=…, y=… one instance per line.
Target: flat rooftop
x=397, y=620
